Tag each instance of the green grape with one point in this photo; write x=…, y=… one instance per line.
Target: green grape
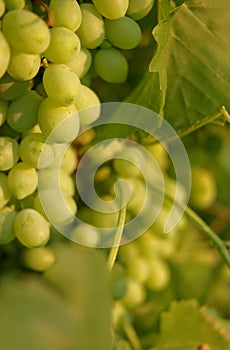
x=66, y=14
x=3, y=110
x=128, y=252
x=61, y=84
x=6, y=130
x=112, y=9
x=138, y=197
x=115, y=30
x=10, y=88
x=2, y=7
x=9, y=153
x=25, y=31
x=111, y=65
x=159, y=274
x=5, y=193
x=61, y=121
x=203, y=191
x=7, y=217
x=86, y=99
x=160, y=154
x=38, y=259
x=135, y=294
x=138, y=269
x=22, y=112
x=64, y=45
x=139, y=9
x=55, y=178
x=129, y=167
x=151, y=245
x=70, y=160
x=31, y=229
x=22, y=180
x=23, y=66
x=4, y=54
x=59, y=210
x=85, y=235
x=81, y=64
x=14, y=4
x=34, y=130
x=91, y=31
x=30, y=150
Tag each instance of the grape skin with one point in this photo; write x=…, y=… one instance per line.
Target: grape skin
x=112, y=9
x=111, y=65
x=25, y=31
x=31, y=229
x=4, y=54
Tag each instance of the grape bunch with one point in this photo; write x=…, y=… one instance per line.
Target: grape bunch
x=48, y=48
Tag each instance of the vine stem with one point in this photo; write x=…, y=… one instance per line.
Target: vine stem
x=117, y=238
x=131, y=335
x=220, y=245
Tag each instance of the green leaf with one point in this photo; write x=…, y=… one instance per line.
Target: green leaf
x=69, y=309
x=193, y=58
x=186, y=325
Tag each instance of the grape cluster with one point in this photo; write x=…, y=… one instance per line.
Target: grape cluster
x=47, y=49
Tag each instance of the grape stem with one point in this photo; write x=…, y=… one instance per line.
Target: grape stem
x=117, y=238
x=131, y=335
x=221, y=246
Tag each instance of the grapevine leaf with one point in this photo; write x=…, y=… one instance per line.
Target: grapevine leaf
x=186, y=324
x=193, y=50
x=69, y=309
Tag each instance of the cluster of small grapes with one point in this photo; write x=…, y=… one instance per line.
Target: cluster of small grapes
x=45, y=55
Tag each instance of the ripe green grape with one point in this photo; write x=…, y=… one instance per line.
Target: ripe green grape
x=4, y=54
x=111, y=65
x=115, y=30
x=91, y=31
x=60, y=210
x=138, y=269
x=64, y=45
x=23, y=111
x=112, y=9
x=2, y=7
x=61, y=84
x=70, y=160
x=135, y=294
x=159, y=274
x=203, y=191
x=22, y=180
x=139, y=9
x=3, y=110
x=31, y=229
x=5, y=193
x=86, y=99
x=25, y=31
x=81, y=64
x=66, y=14
x=10, y=88
x=30, y=150
x=23, y=66
x=129, y=167
x=7, y=233
x=9, y=153
x=38, y=259
x=66, y=158
x=6, y=130
x=85, y=235
x=61, y=121
x=55, y=178
x=14, y=4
